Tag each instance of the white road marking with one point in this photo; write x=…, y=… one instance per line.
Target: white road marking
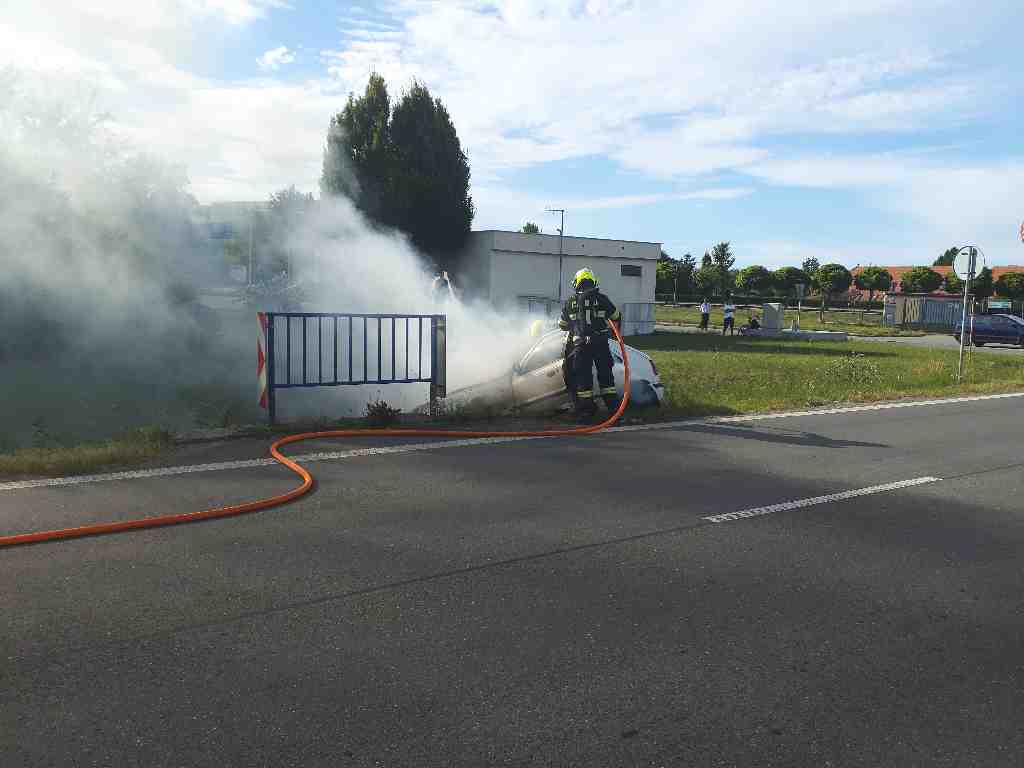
x=18, y=485
x=818, y=412
x=815, y=500
x=304, y=458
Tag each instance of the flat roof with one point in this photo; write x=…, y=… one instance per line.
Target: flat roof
x=565, y=237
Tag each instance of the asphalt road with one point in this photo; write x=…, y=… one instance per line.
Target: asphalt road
x=556, y=602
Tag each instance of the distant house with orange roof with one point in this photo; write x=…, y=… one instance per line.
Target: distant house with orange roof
x=857, y=295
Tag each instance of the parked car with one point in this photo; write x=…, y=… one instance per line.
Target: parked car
x=537, y=381
x=993, y=329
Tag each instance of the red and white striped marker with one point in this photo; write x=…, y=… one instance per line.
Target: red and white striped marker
x=261, y=358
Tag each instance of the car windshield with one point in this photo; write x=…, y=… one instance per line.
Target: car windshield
x=549, y=349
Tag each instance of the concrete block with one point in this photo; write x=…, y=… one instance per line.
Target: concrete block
x=773, y=316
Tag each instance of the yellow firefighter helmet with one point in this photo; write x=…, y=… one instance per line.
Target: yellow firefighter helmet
x=584, y=274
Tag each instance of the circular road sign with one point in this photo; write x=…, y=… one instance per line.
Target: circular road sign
x=968, y=263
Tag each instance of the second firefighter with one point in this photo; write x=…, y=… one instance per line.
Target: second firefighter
x=586, y=316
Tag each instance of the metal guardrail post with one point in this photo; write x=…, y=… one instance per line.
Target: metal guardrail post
x=271, y=400
x=438, y=361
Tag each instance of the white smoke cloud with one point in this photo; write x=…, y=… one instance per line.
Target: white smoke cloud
x=105, y=258
x=341, y=264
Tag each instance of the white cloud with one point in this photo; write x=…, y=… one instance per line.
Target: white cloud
x=234, y=11
x=632, y=201
x=530, y=81
x=942, y=200
x=276, y=58
x=667, y=89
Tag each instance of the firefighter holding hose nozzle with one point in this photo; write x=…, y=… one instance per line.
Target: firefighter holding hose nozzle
x=586, y=316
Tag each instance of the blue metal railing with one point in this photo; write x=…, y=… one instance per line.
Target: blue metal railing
x=420, y=358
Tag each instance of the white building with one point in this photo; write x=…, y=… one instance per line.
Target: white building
x=513, y=269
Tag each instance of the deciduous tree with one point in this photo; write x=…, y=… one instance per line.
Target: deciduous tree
x=722, y=258
x=920, y=280
x=1010, y=285
x=810, y=267
x=873, y=279
x=754, y=280
x=786, y=279
x=831, y=279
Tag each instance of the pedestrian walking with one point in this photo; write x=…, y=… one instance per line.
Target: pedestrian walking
x=729, y=310
x=705, y=313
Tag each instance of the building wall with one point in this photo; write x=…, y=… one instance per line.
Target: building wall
x=474, y=280
x=523, y=265
x=515, y=275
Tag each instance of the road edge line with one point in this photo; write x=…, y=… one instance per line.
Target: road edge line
x=185, y=469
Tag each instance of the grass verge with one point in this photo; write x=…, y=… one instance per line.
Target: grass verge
x=848, y=322
x=132, y=448
x=712, y=375
x=704, y=375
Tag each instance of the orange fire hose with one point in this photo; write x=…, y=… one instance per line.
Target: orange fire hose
x=307, y=480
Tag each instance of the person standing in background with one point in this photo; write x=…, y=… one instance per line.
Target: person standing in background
x=729, y=310
x=705, y=313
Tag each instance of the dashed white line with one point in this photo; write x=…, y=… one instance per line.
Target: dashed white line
x=18, y=485
x=815, y=500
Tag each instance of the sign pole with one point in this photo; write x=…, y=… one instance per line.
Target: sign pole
x=963, y=320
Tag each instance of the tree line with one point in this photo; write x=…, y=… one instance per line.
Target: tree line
x=715, y=276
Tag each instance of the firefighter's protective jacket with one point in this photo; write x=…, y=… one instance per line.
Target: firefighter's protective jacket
x=587, y=313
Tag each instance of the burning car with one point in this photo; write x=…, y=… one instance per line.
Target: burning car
x=537, y=381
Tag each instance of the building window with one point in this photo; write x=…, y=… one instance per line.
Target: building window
x=631, y=270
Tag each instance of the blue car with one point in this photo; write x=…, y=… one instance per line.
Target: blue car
x=994, y=329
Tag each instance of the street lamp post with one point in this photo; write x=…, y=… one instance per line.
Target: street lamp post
x=561, y=234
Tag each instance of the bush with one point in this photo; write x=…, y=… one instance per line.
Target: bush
x=380, y=414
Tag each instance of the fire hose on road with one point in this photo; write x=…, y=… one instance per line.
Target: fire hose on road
x=98, y=529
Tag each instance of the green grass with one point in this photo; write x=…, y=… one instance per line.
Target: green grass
x=132, y=448
x=848, y=322
x=709, y=375
x=703, y=375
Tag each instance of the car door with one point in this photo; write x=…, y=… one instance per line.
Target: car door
x=997, y=330
x=981, y=328
x=1016, y=331
x=538, y=381
x=1005, y=330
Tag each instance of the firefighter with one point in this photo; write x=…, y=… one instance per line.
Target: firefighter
x=586, y=316
x=442, y=289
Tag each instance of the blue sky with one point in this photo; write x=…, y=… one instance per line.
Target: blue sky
x=861, y=131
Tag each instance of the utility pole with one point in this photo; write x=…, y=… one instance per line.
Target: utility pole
x=561, y=234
